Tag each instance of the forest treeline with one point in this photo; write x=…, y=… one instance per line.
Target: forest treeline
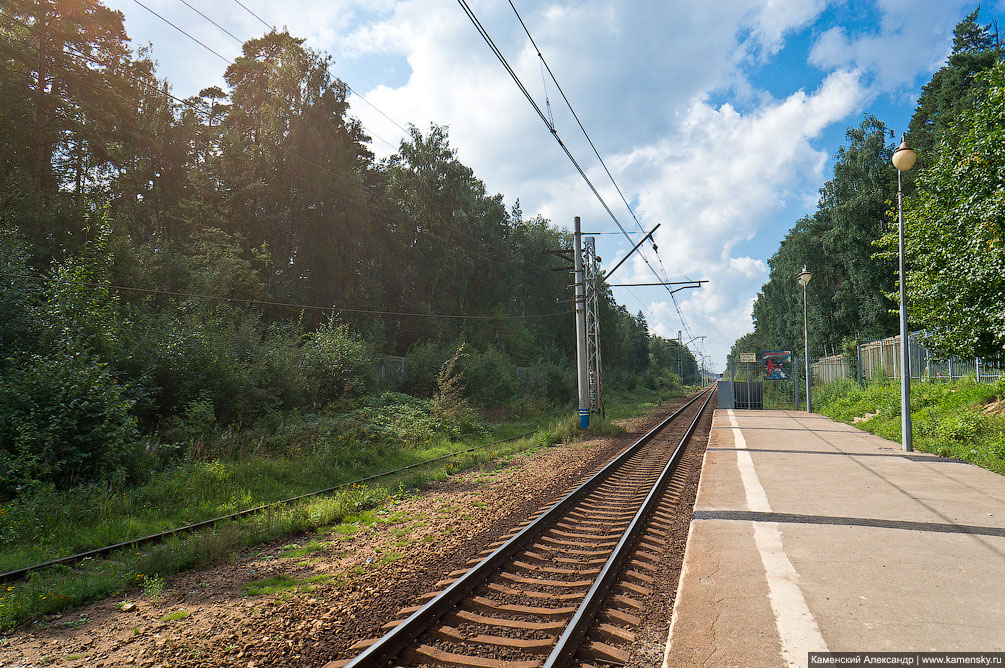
x=242, y=251
x=954, y=216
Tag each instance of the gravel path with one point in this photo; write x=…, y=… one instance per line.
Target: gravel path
x=361, y=579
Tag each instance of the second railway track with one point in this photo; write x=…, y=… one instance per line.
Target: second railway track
x=565, y=587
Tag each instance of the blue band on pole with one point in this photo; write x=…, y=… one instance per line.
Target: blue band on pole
x=584, y=419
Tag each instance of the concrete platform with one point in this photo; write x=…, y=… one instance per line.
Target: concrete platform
x=811, y=535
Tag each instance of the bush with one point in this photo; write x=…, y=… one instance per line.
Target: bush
x=490, y=377
x=335, y=364
x=65, y=420
x=552, y=381
x=424, y=363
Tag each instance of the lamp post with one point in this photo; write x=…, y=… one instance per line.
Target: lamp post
x=903, y=159
x=803, y=278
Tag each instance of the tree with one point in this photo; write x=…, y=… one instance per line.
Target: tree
x=975, y=49
x=955, y=231
x=848, y=293
x=69, y=60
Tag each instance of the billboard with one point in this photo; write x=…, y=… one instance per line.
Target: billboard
x=777, y=364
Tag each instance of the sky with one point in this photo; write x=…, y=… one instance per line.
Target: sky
x=718, y=120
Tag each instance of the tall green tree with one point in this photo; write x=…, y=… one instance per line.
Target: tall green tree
x=955, y=230
x=68, y=60
x=847, y=296
x=976, y=48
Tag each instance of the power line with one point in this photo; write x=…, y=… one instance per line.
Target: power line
x=224, y=59
x=258, y=302
x=194, y=106
x=235, y=37
x=348, y=87
x=665, y=276
x=378, y=214
x=231, y=62
x=245, y=8
x=551, y=128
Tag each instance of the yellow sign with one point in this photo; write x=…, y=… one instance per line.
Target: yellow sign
x=748, y=357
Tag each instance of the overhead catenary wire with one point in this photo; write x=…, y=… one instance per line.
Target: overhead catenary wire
x=596, y=152
x=261, y=302
x=483, y=32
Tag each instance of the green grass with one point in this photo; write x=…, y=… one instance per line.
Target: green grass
x=175, y=616
x=297, y=455
x=947, y=418
x=295, y=551
x=272, y=585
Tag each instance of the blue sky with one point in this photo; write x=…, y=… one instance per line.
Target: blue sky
x=719, y=120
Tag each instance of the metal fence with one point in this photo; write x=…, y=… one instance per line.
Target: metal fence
x=829, y=369
x=881, y=359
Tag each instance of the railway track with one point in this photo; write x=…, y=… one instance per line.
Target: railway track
x=564, y=588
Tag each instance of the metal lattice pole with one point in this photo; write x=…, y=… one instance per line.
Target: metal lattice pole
x=594, y=368
x=581, y=347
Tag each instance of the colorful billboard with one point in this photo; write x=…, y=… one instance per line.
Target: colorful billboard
x=777, y=364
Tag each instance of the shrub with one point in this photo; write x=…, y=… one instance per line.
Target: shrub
x=335, y=364
x=552, y=381
x=424, y=363
x=64, y=419
x=490, y=377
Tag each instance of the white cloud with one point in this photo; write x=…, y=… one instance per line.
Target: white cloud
x=725, y=175
x=775, y=18
x=712, y=174
x=913, y=38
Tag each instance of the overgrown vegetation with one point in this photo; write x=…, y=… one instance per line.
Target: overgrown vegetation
x=964, y=419
x=178, y=271
x=259, y=468
x=194, y=295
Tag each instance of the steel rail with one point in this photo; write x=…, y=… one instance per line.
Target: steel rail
x=564, y=652
x=397, y=639
x=20, y=573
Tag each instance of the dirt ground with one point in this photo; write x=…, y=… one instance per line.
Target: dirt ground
x=349, y=583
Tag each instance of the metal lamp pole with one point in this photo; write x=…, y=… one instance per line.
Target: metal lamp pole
x=903, y=159
x=803, y=278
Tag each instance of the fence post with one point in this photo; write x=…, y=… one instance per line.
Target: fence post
x=950, y=369
x=795, y=375
x=977, y=368
x=858, y=353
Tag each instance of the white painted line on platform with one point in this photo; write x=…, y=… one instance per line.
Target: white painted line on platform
x=797, y=628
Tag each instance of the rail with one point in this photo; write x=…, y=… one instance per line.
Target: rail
x=405, y=633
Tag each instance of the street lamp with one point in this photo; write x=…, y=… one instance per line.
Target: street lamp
x=903, y=159
x=803, y=278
